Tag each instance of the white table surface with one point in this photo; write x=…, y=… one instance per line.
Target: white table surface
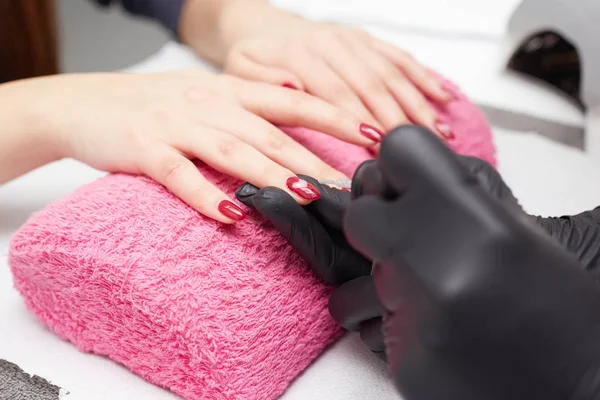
x=549, y=179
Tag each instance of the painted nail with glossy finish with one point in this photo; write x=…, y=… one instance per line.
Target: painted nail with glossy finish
x=370, y=132
x=231, y=211
x=289, y=85
x=444, y=130
x=303, y=188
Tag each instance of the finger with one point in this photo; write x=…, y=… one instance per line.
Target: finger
x=332, y=205
x=355, y=302
x=371, y=333
x=491, y=181
x=325, y=254
x=178, y=174
x=295, y=108
x=411, y=156
x=230, y=155
x=368, y=181
x=417, y=73
x=413, y=103
x=243, y=65
x=365, y=224
x=414, y=162
x=418, y=108
x=271, y=141
x=320, y=80
x=365, y=81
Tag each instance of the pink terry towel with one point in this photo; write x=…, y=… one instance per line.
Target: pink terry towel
x=124, y=269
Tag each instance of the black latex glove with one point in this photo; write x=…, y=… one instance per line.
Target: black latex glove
x=480, y=303
x=315, y=231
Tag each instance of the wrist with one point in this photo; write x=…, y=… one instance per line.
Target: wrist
x=213, y=28
x=27, y=137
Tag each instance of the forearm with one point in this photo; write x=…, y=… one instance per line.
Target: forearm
x=212, y=27
x=25, y=139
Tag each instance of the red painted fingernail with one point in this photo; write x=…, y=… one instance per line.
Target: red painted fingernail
x=231, y=211
x=444, y=130
x=370, y=132
x=302, y=188
x=289, y=85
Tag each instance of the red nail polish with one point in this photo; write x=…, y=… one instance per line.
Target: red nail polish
x=444, y=130
x=370, y=132
x=289, y=85
x=231, y=211
x=302, y=188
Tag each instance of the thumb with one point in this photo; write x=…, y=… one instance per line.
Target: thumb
x=325, y=252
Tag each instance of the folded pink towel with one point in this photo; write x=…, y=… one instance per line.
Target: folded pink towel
x=124, y=269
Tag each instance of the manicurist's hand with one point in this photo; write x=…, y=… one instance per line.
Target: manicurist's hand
x=479, y=302
x=347, y=67
x=156, y=124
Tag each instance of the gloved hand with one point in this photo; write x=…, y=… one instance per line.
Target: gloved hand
x=315, y=231
x=480, y=303
x=578, y=234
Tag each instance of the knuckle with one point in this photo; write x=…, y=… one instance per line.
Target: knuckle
x=423, y=108
x=340, y=93
x=276, y=140
x=171, y=168
x=373, y=85
x=228, y=148
x=405, y=54
x=298, y=101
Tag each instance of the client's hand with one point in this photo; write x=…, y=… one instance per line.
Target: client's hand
x=345, y=66
x=156, y=124
x=480, y=303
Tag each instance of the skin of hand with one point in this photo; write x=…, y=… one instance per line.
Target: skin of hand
x=156, y=124
x=377, y=82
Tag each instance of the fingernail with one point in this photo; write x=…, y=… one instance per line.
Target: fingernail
x=289, y=85
x=444, y=130
x=370, y=132
x=302, y=188
x=231, y=211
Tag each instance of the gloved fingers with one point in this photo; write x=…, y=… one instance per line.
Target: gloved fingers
x=331, y=206
x=367, y=180
x=491, y=181
x=413, y=157
x=371, y=333
x=327, y=253
x=355, y=302
x=370, y=228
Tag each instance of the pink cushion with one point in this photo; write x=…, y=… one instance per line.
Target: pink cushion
x=124, y=269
